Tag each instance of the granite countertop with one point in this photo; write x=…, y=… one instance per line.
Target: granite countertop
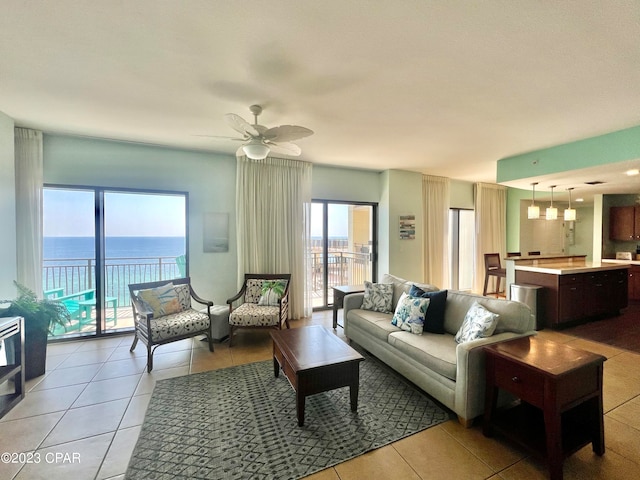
x=564, y=268
x=625, y=262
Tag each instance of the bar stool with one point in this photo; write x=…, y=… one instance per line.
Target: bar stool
x=492, y=268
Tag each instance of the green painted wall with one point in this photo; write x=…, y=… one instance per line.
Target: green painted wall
x=610, y=148
x=514, y=196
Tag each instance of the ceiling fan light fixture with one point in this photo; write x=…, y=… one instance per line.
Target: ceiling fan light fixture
x=256, y=150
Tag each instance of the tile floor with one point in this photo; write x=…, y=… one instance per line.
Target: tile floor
x=82, y=418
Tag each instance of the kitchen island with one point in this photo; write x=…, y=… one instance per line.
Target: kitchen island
x=575, y=290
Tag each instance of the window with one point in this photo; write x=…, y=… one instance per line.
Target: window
x=97, y=241
x=461, y=233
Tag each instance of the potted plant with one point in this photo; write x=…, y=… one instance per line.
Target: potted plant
x=41, y=316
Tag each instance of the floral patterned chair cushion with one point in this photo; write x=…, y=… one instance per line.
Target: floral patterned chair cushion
x=262, y=302
x=177, y=324
x=253, y=315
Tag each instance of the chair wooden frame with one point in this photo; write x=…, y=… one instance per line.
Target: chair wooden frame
x=493, y=268
x=142, y=319
x=283, y=302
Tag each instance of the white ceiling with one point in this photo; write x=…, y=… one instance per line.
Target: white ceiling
x=442, y=87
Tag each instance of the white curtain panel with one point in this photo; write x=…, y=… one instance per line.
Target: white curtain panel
x=29, y=180
x=435, y=197
x=491, y=226
x=273, y=198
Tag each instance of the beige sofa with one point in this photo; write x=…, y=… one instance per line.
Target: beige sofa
x=452, y=373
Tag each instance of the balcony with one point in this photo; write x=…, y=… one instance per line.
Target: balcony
x=73, y=280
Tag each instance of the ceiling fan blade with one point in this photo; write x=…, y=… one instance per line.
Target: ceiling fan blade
x=222, y=136
x=260, y=128
x=286, y=133
x=287, y=148
x=239, y=124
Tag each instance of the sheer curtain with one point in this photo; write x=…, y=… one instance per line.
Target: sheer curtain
x=491, y=226
x=273, y=201
x=435, y=198
x=29, y=180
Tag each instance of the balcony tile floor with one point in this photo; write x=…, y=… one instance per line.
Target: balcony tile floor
x=92, y=399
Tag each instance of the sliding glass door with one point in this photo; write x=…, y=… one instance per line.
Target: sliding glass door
x=343, y=248
x=98, y=241
x=69, y=255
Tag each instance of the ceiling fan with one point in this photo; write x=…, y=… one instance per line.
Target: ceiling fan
x=260, y=140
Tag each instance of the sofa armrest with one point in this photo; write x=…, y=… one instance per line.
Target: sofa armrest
x=471, y=376
x=351, y=302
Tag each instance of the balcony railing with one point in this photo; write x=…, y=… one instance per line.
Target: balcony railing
x=73, y=275
x=78, y=274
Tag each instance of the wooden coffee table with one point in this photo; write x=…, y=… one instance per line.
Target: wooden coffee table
x=315, y=360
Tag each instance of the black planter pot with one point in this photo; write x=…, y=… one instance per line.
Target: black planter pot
x=35, y=352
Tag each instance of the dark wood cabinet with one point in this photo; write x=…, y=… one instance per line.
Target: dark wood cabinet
x=624, y=223
x=571, y=298
x=571, y=295
x=634, y=282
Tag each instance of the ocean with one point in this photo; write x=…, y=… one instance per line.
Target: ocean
x=55, y=248
x=69, y=262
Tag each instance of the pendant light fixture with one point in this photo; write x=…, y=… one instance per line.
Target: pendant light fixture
x=552, y=212
x=533, y=211
x=569, y=213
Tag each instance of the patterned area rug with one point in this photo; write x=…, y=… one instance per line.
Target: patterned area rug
x=240, y=423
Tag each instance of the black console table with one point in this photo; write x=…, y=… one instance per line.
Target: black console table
x=12, y=336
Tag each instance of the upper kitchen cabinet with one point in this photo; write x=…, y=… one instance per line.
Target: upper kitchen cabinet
x=624, y=223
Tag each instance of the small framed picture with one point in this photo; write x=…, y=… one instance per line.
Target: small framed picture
x=407, y=227
x=215, y=232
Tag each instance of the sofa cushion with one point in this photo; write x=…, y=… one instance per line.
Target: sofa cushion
x=377, y=324
x=401, y=285
x=410, y=313
x=434, y=320
x=514, y=316
x=436, y=352
x=378, y=297
x=478, y=323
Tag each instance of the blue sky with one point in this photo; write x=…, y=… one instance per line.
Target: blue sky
x=70, y=213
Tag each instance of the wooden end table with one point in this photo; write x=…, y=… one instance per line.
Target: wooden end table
x=315, y=360
x=560, y=388
x=339, y=293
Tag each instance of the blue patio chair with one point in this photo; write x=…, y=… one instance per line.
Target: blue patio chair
x=181, y=261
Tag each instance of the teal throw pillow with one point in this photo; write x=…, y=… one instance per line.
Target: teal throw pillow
x=410, y=312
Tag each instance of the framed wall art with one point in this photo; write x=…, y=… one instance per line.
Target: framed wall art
x=407, y=227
